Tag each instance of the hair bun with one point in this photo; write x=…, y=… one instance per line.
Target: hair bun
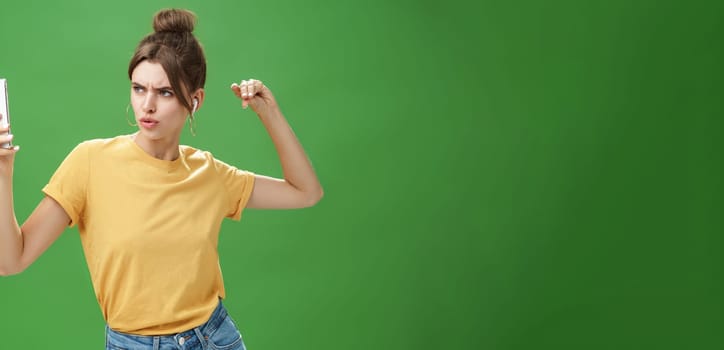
x=174, y=20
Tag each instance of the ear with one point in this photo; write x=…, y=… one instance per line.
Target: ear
x=197, y=99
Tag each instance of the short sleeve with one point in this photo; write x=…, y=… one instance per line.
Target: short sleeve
x=69, y=183
x=238, y=185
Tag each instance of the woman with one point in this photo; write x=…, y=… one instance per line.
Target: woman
x=149, y=210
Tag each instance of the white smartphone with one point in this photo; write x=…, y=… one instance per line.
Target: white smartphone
x=5, y=121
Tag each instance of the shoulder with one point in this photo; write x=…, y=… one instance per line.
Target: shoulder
x=193, y=154
x=199, y=157
x=196, y=158
x=100, y=148
x=102, y=143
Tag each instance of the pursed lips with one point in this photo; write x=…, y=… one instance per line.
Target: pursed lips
x=148, y=122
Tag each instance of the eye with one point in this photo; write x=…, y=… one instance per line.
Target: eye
x=166, y=93
x=137, y=88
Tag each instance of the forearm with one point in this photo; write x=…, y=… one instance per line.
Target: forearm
x=296, y=167
x=11, y=239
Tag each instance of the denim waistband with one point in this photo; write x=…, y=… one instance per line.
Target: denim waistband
x=217, y=317
x=189, y=336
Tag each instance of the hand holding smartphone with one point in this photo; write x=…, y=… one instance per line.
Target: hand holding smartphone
x=4, y=110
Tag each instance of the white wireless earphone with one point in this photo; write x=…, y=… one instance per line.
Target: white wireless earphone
x=196, y=104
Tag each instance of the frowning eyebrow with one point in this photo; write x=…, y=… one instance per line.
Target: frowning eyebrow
x=167, y=88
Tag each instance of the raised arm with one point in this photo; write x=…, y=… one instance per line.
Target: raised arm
x=300, y=187
x=20, y=247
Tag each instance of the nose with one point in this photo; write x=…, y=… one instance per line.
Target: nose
x=149, y=104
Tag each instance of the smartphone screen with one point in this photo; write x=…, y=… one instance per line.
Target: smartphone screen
x=4, y=108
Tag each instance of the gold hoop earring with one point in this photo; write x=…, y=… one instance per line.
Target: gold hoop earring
x=127, y=120
x=192, y=124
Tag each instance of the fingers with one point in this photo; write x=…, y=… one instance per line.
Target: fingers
x=245, y=93
x=6, y=138
x=247, y=90
x=253, y=87
x=5, y=145
x=236, y=89
x=9, y=150
x=4, y=152
x=256, y=86
x=3, y=129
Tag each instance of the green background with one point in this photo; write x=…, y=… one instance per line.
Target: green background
x=498, y=174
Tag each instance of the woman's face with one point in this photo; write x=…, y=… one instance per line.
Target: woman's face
x=159, y=114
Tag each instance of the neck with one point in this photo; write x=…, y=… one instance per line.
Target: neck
x=164, y=149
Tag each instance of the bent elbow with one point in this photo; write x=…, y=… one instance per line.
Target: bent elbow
x=314, y=198
x=320, y=195
x=6, y=271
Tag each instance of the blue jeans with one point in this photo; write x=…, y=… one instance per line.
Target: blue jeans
x=218, y=333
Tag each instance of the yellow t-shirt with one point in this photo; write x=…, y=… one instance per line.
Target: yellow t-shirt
x=149, y=229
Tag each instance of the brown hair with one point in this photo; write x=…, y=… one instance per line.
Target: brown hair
x=173, y=45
